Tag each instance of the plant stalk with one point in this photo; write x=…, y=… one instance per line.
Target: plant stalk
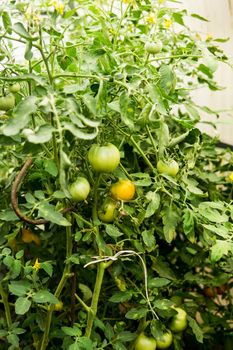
x=95, y=299
x=6, y=306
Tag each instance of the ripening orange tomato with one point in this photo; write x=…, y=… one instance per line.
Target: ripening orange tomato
x=123, y=190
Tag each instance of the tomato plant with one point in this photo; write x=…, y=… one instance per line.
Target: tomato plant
x=113, y=202
x=144, y=342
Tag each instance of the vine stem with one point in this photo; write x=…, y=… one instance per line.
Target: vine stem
x=95, y=299
x=6, y=306
x=150, y=165
x=66, y=274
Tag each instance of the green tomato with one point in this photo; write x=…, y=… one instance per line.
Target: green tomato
x=145, y=343
x=104, y=159
x=154, y=47
x=165, y=340
x=7, y=102
x=179, y=321
x=107, y=212
x=170, y=168
x=79, y=189
x=15, y=87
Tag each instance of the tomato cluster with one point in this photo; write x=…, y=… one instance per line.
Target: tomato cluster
x=178, y=324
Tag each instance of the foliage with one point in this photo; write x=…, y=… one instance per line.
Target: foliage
x=86, y=78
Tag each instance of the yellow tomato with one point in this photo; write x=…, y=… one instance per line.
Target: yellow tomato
x=58, y=306
x=123, y=190
x=28, y=237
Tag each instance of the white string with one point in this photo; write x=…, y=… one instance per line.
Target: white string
x=125, y=253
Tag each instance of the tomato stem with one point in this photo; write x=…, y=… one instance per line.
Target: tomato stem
x=66, y=274
x=6, y=306
x=95, y=299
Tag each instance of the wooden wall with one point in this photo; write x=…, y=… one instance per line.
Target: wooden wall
x=220, y=15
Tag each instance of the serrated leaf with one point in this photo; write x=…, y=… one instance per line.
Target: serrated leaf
x=44, y=296
x=22, y=305
x=136, y=313
x=220, y=249
x=149, y=239
x=188, y=224
x=156, y=328
x=6, y=19
x=79, y=133
x=196, y=329
x=20, y=116
x=167, y=78
x=86, y=291
x=48, y=212
x=113, y=231
x=153, y=204
x=163, y=304
x=158, y=282
x=47, y=267
x=170, y=221
x=121, y=297
x=51, y=168
x=41, y=135
x=19, y=288
x=19, y=29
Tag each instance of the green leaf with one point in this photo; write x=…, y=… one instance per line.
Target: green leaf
x=126, y=336
x=86, y=291
x=22, y=305
x=197, y=331
x=51, y=168
x=149, y=239
x=19, y=29
x=13, y=339
x=195, y=15
x=163, y=304
x=158, y=282
x=136, y=313
x=154, y=203
x=20, y=116
x=126, y=110
x=192, y=185
x=142, y=179
x=6, y=19
x=47, y=267
x=72, y=331
x=3, y=333
x=121, y=297
x=208, y=211
x=113, y=231
x=170, y=220
x=28, y=54
x=188, y=224
x=156, y=328
x=44, y=296
x=167, y=78
x=79, y=133
x=220, y=249
x=48, y=212
x=19, y=288
x=220, y=231
x=90, y=102
x=42, y=134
